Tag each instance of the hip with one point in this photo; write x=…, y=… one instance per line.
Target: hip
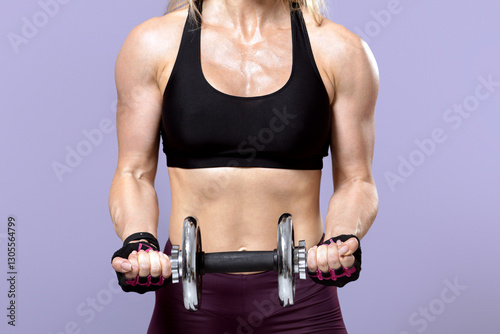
x=247, y=303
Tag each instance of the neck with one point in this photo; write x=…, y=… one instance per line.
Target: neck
x=246, y=15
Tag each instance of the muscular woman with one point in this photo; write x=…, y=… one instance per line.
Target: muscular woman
x=246, y=97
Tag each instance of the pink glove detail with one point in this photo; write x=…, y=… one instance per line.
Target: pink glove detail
x=347, y=272
x=135, y=281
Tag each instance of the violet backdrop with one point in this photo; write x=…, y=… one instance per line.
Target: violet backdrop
x=429, y=261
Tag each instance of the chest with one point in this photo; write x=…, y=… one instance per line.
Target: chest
x=254, y=65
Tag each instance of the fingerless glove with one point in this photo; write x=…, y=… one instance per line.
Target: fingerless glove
x=139, y=284
x=341, y=276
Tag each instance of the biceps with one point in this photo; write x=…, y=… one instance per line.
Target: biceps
x=138, y=120
x=140, y=101
x=138, y=137
x=353, y=137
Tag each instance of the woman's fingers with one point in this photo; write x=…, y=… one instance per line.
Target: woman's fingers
x=312, y=265
x=332, y=256
x=352, y=245
x=323, y=257
x=121, y=265
x=154, y=264
x=134, y=271
x=125, y=266
x=346, y=250
x=166, y=266
x=347, y=261
x=143, y=264
x=327, y=257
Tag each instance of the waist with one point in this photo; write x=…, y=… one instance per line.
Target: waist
x=239, y=208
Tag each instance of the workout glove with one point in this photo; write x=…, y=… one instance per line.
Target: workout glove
x=341, y=276
x=139, y=284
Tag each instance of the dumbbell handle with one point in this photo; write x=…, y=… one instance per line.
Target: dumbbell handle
x=242, y=261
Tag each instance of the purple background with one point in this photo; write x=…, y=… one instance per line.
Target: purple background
x=438, y=226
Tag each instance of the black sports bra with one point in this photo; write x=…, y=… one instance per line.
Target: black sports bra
x=203, y=127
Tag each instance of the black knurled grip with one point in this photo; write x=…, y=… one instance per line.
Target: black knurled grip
x=241, y=261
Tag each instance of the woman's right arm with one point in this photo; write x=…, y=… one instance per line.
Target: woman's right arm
x=133, y=203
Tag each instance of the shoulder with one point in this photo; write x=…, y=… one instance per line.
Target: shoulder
x=155, y=41
x=339, y=51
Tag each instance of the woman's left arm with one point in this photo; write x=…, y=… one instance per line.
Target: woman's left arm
x=354, y=204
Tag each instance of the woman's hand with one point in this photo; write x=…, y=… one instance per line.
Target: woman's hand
x=143, y=264
x=337, y=261
x=332, y=256
x=140, y=266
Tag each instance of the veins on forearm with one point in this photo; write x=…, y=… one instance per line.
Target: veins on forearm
x=352, y=209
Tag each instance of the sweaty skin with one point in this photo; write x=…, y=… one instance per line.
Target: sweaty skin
x=246, y=50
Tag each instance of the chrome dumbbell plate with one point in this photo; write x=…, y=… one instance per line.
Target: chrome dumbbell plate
x=190, y=273
x=286, y=277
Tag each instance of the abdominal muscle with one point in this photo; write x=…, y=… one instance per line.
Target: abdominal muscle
x=237, y=209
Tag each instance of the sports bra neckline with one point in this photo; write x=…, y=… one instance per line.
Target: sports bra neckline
x=238, y=97
x=203, y=127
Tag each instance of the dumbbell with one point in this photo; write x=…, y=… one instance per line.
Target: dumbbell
x=190, y=263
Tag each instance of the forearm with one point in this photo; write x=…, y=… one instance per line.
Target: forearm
x=133, y=205
x=352, y=209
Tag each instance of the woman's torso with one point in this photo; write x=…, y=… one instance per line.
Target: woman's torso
x=238, y=208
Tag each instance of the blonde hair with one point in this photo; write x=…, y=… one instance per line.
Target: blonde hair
x=316, y=7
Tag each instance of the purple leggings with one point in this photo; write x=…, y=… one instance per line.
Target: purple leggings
x=247, y=304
